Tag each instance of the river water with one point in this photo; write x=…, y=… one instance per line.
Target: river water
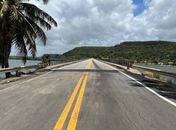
x=15, y=63
x=165, y=68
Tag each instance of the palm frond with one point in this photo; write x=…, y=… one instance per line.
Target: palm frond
x=32, y=10
x=39, y=31
x=15, y=12
x=41, y=22
x=23, y=17
x=4, y=7
x=21, y=47
x=31, y=44
x=45, y=1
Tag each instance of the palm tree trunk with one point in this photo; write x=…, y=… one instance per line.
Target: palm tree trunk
x=8, y=74
x=8, y=50
x=5, y=57
x=5, y=64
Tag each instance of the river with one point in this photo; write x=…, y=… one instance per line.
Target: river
x=14, y=63
x=165, y=68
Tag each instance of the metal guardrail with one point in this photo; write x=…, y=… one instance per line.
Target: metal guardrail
x=39, y=66
x=137, y=67
x=155, y=71
x=16, y=69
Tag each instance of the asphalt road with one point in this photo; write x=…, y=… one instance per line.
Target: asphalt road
x=100, y=98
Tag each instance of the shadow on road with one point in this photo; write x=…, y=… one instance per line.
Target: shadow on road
x=84, y=70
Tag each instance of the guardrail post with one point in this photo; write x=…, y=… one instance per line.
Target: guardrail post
x=128, y=66
x=17, y=73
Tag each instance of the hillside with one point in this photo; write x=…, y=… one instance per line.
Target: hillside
x=87, y=52
x=150, y=51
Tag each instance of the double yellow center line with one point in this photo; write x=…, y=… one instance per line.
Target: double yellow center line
x=81, y=85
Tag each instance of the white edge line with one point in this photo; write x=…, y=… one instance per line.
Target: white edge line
x=149, y=89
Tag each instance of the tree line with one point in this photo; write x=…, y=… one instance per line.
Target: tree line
x=158, y=52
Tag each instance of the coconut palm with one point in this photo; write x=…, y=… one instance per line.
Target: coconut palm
x=20, y=25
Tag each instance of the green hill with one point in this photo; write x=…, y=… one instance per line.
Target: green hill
x=87, y=52
x=147, y=51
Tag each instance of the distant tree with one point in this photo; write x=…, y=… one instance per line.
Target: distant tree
x=46, y=58
x=165, y=61
x=174, y=62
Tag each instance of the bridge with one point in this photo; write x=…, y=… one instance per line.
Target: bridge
x=85, y=95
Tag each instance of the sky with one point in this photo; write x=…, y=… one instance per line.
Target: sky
x=106, y=23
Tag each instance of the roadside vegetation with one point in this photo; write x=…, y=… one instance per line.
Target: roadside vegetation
x=21, y=24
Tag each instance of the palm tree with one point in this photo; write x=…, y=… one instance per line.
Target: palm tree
x=20, y=25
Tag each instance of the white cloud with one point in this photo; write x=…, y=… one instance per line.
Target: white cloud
x=161, y=19
x=107, y=22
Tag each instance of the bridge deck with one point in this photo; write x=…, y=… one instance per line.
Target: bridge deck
x=89, y=95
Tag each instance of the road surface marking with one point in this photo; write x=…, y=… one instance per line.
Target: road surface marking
x=60, y=123
x=149, y=89
x=64, y=114
x=89, y=65
x=74, y=116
